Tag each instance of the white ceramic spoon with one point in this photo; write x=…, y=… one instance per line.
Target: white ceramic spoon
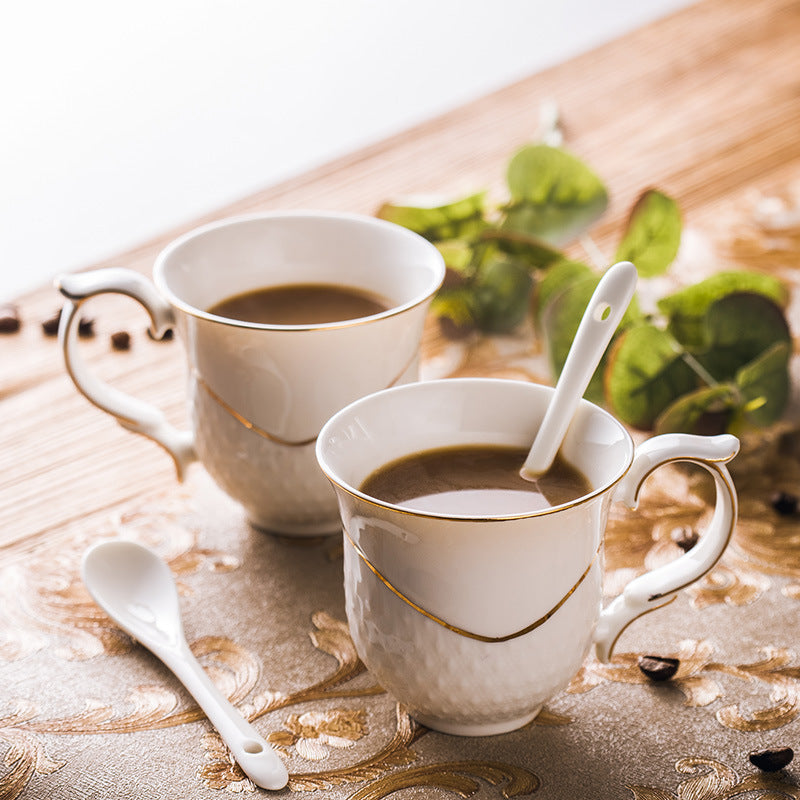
x=135, y=588
x=601, y=318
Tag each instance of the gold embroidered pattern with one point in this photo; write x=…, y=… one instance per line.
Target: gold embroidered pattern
x=458, y=777
x=45, y=603
x=313, y=732
x=395, y=753
x=696, y=679
x=25, y=758
x=712, y=780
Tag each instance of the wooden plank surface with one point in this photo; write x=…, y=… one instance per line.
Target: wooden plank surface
x=704, y=104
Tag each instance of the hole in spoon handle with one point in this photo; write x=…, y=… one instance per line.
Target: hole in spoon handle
x=602, y=312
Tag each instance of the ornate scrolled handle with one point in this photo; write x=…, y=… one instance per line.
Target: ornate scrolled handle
x=132, y=413
x=659, y=586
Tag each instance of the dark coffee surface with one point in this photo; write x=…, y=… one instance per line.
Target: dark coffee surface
x=300, y=304
x=474, y=480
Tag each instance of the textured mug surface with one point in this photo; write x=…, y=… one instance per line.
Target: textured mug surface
x=258, y=394
x=475, y=622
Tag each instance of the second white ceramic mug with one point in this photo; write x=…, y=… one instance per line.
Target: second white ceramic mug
x=258, y=394
x=473, y=622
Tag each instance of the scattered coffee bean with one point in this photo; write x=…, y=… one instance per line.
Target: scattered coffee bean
x=658, y=668
x=785, y=503
x=9, y=319
x=50, y=326
x=771, y=760
x=685, y=537
x=121, y=340
x=168, y=335
x=85, y=326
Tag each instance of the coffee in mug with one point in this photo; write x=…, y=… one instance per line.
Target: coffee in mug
x=474, y=480
x=301, y=304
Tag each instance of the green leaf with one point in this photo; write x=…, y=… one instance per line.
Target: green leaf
x=455, y=304
x=437, y=220
x=686, y=309
x=501, y=294
x=645, y=374
x=706, y=411
x=739, y=327
x=765, y=384
x=652, y=235
x=529, y=250
x=558, y=278
x=554, y=195
x=457, y=255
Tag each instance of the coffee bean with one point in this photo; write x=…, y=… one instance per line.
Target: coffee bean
x=85, y=326
x=50, y=326
x=785, y=503
x=9, y=319
x=771, y=760
x=685, y=537
x=658, y=668
x=121, y=340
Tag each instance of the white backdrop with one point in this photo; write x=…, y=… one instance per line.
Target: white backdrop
x=120, y=121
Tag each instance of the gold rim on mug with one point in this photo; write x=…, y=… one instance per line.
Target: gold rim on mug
x=251, y=426
x=461, y=631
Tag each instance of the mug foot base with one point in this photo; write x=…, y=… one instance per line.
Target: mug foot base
x=475, y=729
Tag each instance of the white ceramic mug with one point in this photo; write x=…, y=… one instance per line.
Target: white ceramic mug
x=475, y=622
x=259, y=394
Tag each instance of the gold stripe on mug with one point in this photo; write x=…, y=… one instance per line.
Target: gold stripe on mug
x=461, y=631
x=251, y=426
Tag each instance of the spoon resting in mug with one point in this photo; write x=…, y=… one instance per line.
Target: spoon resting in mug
x=135, y=588
x=601, y=318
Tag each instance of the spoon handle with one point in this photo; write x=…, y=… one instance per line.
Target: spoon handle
x=606, y=308
x=252, y=752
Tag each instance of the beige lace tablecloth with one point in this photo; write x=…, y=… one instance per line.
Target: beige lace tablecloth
x=704, y=105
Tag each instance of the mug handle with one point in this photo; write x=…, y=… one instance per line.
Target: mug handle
x=133, y=414
x=659, y=586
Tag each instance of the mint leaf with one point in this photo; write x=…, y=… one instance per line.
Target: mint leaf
x=652, y=235
x=706, y=411
x=554, y=195
x=532, y=251
x=455, y=304
x=438, y=221
x=765, y=384
x=686, y=309
x=457, y=255
x=558, y=278
x=645, y=374
x=501, y=295
x=739, y=327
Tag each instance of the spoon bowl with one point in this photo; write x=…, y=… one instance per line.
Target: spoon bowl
x=136, y=589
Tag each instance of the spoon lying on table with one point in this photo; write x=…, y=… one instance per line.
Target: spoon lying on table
x=601, y=318
x=135, y=588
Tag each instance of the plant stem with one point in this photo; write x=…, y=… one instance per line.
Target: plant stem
x=701, y=371
x=593, y=251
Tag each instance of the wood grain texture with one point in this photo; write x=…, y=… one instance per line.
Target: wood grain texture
x=704, y=104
